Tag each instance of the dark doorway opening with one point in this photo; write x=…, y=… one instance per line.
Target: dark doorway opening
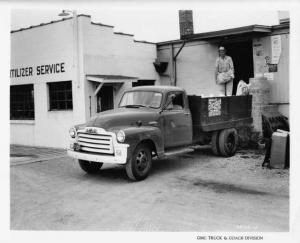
x=143, y=82
x=242, y=57
x=105, y=98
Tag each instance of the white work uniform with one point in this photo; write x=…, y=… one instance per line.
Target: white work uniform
x=225, y=65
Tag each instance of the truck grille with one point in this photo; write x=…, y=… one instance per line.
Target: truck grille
x=97, y=143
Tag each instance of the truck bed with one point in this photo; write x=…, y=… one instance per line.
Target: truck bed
x=216, y=113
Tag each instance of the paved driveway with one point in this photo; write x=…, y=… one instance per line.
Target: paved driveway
x=192, y=192
x=20, y=155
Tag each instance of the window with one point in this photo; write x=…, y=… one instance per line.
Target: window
x=142, y=82
x=21, y=102
x=177, y=101
x=60, y=96
x=139, y=98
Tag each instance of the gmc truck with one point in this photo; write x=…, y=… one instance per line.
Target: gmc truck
x=158, y=121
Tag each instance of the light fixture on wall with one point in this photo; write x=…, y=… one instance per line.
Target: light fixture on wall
x=160, y=66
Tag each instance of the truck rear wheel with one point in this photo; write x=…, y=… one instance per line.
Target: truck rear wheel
x=89, y=166
x=215, y=143
x=139, y=165
x=228, y=142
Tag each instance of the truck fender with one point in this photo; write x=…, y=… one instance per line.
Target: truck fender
x=136, y=135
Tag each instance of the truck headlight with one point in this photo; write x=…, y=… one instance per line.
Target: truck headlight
x=72, y=132
x=121, y=136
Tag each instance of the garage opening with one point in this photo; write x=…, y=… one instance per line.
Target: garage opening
x=242, y=57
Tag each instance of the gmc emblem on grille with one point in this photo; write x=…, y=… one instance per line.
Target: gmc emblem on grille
x=91, y=130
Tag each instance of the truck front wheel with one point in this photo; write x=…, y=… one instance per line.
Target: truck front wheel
x=139, y=165
x=89, y=166
x=228, y=142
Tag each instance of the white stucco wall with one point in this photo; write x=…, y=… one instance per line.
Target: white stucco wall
x=280, y=81
x=109, y=53
x=43, y=45
x=114, y=54
x=101, y=52
x=195, y=67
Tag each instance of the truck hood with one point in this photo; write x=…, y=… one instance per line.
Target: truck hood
x=122, y=117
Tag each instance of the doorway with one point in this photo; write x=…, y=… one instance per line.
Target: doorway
x=105, y=98
x=242, y=57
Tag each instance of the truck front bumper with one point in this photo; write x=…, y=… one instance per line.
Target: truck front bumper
x=121, y=158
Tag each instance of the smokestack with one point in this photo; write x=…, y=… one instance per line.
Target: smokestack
x=186, y=23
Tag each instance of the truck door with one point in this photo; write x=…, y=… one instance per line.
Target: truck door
x=177, y=121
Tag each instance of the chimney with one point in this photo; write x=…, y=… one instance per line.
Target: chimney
x=186, y=23
x=283, y=16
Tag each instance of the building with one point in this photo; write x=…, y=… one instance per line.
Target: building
x=64, y=72
x=256, y=51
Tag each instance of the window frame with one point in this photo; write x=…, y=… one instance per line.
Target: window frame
x=161, y=101
x=28, y=106
x=183, y=100
x=61, y=94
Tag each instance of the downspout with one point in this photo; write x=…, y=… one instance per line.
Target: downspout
x=174, y=58
x=173, y=65
x=175, y=71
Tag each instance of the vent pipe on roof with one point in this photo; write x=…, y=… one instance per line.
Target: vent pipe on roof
x=186, y=23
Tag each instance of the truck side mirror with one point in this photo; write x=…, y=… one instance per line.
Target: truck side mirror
x=168, y=102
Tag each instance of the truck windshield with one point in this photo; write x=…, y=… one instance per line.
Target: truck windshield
x=136, y=99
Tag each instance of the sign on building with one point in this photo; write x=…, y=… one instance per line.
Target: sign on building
x=276, y=48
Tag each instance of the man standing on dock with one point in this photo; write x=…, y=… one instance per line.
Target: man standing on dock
x=224, y=72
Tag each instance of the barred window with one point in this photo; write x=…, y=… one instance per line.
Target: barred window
x=60, y=96
x=22, y=102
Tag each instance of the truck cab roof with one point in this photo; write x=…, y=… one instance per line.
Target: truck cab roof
x=157, y=88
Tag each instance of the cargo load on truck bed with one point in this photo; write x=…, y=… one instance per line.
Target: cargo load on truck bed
x=216, y=113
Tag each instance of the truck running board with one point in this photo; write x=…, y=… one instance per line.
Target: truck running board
x=177, y=151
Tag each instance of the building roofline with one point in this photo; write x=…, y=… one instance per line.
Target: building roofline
x=121, y=33
x=282, y=25
x=81, y=15
x=47, y=23
x=262, y=29
x=284, y=20
x=104, y=25
x=221, y=33
x=145, y=42
x=232, y=31
x=176, y=41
